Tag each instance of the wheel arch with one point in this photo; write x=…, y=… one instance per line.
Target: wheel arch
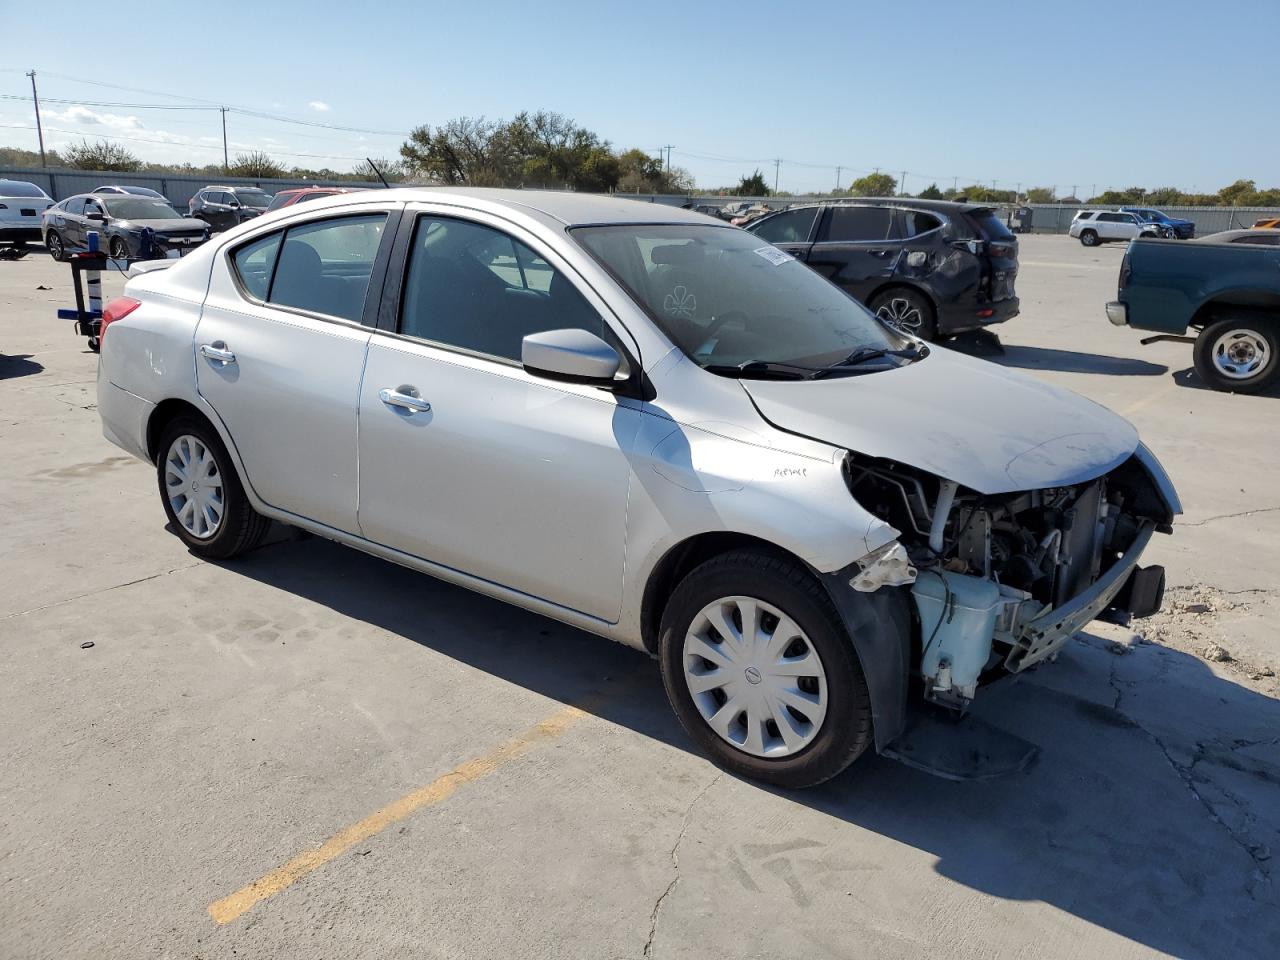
x=1243, y=301
x=880, y=626
x=165, y=412
x=899, y=284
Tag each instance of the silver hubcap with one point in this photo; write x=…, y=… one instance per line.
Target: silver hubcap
x=194, y=486
x=900, y=313
x=1241, y=354
x=755, y=677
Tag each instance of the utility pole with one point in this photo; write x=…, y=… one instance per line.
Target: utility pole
x=226, y=163
x=777, y=165
x=1073, y=189
x=39, y=129
x=838, y=169
x=667, y=147
x=955, y=185
x=1095, y=192
x=902, y=184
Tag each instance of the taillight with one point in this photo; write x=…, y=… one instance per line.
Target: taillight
x=1001, y=250
x=113, y=311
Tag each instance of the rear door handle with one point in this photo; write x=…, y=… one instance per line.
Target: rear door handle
x=405, y=401
x=217, y=351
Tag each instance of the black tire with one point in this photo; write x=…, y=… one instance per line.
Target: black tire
x=57, y=249
x=1239, y=342
x=900, y=305
x=118, y=248
x=241, y=527
x=1089, y=238
x=845, y=731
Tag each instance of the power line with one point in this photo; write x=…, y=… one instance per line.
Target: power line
x=176, y=143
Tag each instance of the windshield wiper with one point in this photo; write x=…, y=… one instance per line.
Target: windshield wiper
x=866, y=354
x=791, y=371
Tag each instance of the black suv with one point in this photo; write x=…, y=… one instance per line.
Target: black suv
x=225, y=207
x=931, y=267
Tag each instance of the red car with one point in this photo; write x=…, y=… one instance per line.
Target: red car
x=287, y=198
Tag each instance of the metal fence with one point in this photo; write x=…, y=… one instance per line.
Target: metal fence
x=178, y=187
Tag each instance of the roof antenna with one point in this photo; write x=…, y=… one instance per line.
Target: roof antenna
x=375, y=169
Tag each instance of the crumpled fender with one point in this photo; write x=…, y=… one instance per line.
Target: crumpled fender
x=881, y=629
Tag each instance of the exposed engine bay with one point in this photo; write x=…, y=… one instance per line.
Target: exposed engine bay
x=1002, y=581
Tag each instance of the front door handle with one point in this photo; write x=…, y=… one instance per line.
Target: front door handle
x=405, y=401
x=217, y=351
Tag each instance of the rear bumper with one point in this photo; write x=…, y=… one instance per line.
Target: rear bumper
x=957, y=319
x=124, y=417
x=1118, y=313
x=20, y=234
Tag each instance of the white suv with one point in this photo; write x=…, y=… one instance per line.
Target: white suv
x=1093, y=227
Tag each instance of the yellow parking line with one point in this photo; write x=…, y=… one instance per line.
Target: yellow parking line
x=231, y=907
x=1148, y=399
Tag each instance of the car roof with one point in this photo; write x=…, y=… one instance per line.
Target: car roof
x=568, y=208
x=1227, y=236
x=318, y=189
x=937, y=206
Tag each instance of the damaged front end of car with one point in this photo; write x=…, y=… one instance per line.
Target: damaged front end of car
x=1000, y=582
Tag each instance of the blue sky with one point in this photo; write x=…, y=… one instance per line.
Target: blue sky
x=1112, y=94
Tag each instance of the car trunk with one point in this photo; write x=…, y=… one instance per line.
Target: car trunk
x=1000, y=265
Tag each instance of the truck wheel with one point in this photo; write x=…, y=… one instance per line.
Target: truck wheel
x=761, y=672
x=1238, y=354
x=1089, y=238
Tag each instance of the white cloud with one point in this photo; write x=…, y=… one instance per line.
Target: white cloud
x=319, y=106
x=87, y=117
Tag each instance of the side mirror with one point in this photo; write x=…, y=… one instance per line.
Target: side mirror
x=234, y=205
x=99, y=217
x=570, y=356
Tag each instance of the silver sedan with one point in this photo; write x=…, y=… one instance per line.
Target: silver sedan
x=650, y=426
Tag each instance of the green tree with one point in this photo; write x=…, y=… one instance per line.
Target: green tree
x=102, y=155
x=752, y=186
x=873, y=185
x=1041, y=195
x=931, y=192
x=255, y=164
x=393, y=170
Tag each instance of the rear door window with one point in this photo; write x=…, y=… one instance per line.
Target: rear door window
x=324, y=266
x=859, y=225
x=793, y=226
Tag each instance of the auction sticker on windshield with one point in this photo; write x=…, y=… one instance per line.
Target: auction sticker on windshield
x=774, y=255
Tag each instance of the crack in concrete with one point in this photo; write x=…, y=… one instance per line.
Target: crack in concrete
x=675, y=862
x=95, y=593
x=1255, y=851
x=1227, y=516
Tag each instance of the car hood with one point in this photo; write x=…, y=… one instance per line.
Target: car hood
x=162, y=226
x=988, y=428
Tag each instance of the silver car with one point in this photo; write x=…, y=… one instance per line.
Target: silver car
x=650, y=426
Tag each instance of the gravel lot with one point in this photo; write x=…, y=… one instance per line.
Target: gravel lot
x=312, y=753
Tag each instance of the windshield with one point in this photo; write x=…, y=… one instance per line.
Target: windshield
x=139, y=208
x=20, y=188
x=725, y=299
x=253, y=197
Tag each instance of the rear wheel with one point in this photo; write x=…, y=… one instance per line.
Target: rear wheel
x=53, y=243
x=908, y=310
x=1089, y=238
x=761, y=672
x=119, y=249
x=202, y=494
x=1239, y=354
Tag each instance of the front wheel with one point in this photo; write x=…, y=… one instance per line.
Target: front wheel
x=761, y=672
x=201, y=492
x=1239, y=355
x=1089, y=238
x=53, y=243
x=119, y=249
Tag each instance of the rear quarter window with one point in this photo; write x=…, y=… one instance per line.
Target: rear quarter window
x=254, y=262
x=990, y=226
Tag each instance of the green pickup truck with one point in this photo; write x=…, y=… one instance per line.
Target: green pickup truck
x=1227, y=294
